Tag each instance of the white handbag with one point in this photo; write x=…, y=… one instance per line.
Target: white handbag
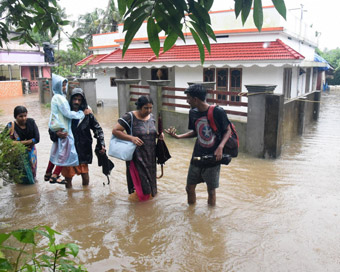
x=122, y=149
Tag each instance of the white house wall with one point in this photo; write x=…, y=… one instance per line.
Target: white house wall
x=103, y=87
x=185, y=74
x=266, y=75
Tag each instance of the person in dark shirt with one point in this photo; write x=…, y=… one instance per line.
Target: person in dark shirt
x=207, y=143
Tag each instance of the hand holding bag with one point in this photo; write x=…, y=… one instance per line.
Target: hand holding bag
x=122, y=149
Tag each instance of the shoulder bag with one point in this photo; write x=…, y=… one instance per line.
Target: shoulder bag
x=122, y=149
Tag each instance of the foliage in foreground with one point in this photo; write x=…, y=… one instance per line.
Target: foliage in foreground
x=11, y=170
x=172, y=18
x=31, y=255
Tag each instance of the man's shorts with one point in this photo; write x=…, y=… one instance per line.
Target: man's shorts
x=210, y=175
x=70, y=171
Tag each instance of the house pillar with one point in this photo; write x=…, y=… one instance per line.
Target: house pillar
x=264, y=125
x=45, y=90
x=123, y=90
x=156, y=94
x=88, y=85
x=317, y=100
x=301, y=115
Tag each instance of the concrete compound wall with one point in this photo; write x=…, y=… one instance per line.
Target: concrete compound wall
x=300, y=113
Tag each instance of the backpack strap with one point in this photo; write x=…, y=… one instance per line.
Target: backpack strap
x=211, y=119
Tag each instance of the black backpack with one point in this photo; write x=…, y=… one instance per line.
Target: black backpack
x=232, y=145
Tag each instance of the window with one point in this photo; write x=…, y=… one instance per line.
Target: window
x=222, y=82
x=209, y=74
x=34, y=73
x=287, y=82
x=226, y=80
x=159, y=74
x=113, y=82
x=235, y=83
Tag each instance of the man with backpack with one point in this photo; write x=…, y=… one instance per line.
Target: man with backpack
x=208, y=144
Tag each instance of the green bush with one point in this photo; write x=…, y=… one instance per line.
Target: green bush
x=31, y=255
x=10, y=164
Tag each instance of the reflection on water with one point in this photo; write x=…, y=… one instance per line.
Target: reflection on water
x=271, y=215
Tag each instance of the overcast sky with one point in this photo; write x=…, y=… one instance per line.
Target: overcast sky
x=322, y=14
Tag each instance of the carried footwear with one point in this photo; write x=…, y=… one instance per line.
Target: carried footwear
x=47, y=176
x=61, y=181
x=57, y=180
x=54, y=179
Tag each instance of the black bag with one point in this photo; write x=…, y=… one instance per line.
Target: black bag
x=232, y=145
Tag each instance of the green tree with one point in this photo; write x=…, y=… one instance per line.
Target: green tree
x=66, y=61
x=26, y=17
x=170, y=17
x=95, y=22
x=161, y=15
x=333, y=58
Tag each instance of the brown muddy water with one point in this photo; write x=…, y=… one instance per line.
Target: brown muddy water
x=271, y=215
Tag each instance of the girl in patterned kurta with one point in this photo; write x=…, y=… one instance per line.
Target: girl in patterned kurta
x=141, y=171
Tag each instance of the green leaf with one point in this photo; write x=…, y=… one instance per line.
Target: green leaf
x=180, y=5
x=5, y=265
x=4, y=237
x=25, y=236
x=238, y=7
x=132, y=32
x=153, y=36
x=199, y=44
x=171, y=10
x=202, y=35
x=135, y=14
x=201, y=13
x=170, y=41
x=258, y=14
x=210, y=32
x=208, y=4
x=173, y=25
x=74, y=249
x=121, y=7
x=280, y=7
x=246, y=7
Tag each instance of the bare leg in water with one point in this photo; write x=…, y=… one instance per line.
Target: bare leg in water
x=191, y=194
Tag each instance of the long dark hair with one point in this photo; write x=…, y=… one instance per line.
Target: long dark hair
x=143, y=100
x=18, y=110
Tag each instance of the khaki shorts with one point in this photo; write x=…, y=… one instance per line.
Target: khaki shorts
x=70, y=171
x=210, y=175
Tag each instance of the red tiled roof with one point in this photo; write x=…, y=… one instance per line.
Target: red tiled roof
x=275, y=50
x=90, y=60
x=245, y=51
x=131, y=55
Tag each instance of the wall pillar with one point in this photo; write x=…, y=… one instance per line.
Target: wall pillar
x=88, y=85
x=45, y=89
x=301, y=115
x=156, y=94
x=317, y=99
x=123, y=91
x=264, y=125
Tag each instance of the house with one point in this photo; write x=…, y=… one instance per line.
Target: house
x=20, y=66
x=282, y=54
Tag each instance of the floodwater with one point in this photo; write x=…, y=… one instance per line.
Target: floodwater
x=271, y=215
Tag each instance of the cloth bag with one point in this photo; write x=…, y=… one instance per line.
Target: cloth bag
x=122, y=149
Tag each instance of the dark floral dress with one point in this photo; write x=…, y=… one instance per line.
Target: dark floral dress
x=144, y=157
